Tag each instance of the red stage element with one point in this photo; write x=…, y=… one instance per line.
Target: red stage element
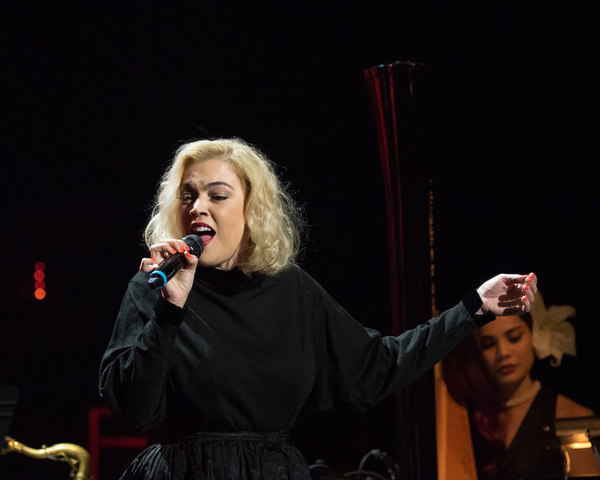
x=98, y=441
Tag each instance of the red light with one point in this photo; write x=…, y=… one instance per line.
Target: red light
x=40, y=285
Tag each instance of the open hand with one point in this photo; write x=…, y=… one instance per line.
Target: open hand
x=508, y=294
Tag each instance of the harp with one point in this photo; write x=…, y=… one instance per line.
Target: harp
x=406, y=100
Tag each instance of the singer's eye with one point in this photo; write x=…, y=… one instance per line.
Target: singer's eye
x=218, y=198
x=185, y=198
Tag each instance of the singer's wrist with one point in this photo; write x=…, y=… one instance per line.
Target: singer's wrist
x=474, y=304
x=176, y=303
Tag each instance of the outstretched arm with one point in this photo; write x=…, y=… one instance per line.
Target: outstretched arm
x=508, y=294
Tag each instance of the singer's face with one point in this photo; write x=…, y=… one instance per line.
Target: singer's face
x=211, y=204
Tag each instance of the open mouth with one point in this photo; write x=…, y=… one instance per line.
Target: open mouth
x=205, y=232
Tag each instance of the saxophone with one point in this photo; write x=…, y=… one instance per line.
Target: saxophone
x=77, y=457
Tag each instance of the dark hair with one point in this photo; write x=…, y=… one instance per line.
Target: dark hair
x=471, y=384
x=467, y=376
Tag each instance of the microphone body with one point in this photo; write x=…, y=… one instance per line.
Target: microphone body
x=173, y=263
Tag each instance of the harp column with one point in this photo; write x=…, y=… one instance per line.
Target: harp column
x=403, y=99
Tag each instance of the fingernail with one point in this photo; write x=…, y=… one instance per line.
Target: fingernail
x=188, y=254
x=187, y=247
x=173, y=250
x=525, y=298
x=525, y=287
x=153, y=259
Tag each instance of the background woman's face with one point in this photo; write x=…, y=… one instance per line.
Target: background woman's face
x=211, y=204
x=507, y=348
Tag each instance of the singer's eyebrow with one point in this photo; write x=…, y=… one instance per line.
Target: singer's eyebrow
x=216, y=184
x=205, y=187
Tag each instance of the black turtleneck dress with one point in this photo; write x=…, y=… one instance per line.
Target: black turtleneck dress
x=222, y=380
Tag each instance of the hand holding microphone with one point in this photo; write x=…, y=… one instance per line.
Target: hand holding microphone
x=175, y=262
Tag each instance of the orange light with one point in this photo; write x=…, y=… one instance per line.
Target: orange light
x=40, y=294
x=40, y=285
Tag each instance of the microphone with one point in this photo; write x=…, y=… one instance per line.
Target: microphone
x=173, y=263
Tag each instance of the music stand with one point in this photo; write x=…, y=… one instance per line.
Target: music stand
x=8, y=402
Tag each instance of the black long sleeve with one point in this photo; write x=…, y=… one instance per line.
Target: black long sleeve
x=248, y=354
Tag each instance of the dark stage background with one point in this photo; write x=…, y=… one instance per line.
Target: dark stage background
x=96, y=96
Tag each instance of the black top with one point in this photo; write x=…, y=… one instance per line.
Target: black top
x=247, y=354
x=534, y=453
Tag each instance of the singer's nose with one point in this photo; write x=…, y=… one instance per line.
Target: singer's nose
x=198, y=208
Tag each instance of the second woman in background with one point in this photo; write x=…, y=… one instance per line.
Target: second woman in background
x=511, y=413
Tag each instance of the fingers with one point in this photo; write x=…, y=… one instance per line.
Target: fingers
x=148, y=264
x=532, y=281
x=526, y=304
x=160, y=251
x=529, y=288
x=168, y=247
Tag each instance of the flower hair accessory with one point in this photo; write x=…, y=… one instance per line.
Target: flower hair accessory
x=553, y=335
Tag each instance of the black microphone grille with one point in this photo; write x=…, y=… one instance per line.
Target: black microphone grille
x=195, y=243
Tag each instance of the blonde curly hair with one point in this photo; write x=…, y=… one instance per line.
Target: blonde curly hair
x=274, y=223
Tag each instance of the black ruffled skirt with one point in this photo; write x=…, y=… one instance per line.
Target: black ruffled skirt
x=221, y=456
